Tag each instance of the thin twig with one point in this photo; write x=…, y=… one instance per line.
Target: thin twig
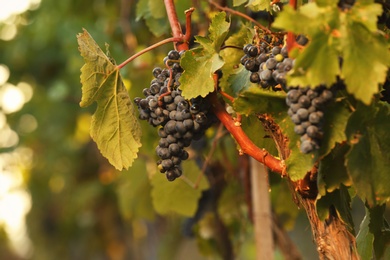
x=172, y=39
x=220, y=133
x=227, y=9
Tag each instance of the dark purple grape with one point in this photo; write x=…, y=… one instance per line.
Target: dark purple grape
x=312, y=131
x=253, y=51
x=303, y=114
x=299, y=129
x=294, y=95
x=307, y=146
x=266, y=75
x=271, y=63
x=254, y=77
x=174, y=149
x=169, y=127
x=250, y=65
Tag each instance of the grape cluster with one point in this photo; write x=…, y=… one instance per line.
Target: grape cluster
x=306, y=109
x=268, y=65
x=179, y=120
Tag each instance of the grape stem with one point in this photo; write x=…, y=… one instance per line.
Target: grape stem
x=247, y=146
x=227, y=9
x=175, y=25
x=160, y=43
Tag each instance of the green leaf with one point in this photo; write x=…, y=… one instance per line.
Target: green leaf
x=134, y=193
x=341, y=201
x=367, y=14
x=200, y=64
x=332, y=171
x=114, y=126
x=157, y=26
x=256, y=133
x=238, y=2
x=218, y=30
x=197, y=78
x=365, y=239
x=334, y=34
x=154, y=14
x=142, y=9
x=317, y=64
x=336, y=118
x=379, y=229
x=259, y=5
x=298, y=164
x=157, y=10
x=258, y=100
x=239, y=81
x=366, y=60
x=178, y=196
x=368, y=161
x=232, y=57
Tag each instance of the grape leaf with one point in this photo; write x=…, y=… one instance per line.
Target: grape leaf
x=157, y=10
x=335, y=34
x=256, y=133
x=365, y=239
x=298, y=164
x=142, y=9
x=197, y=78
x=259, y=5
x=199, y=64
x=178, y=196
x=239, y=81
x=114, y=126
x=368, y=161
x=336, y=118
x=332, y=171
x=366, y=60
x=238, y=2
x=341, y=201
x=257, y=100
x=133, y=192
x=367, y=14
x=317, y=64
x=374, y=234
x=232, y=57
x=153, y=12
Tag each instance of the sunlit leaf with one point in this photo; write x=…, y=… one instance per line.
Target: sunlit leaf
x=259, y=5
x=114, y=126
x=199, y=64
x=366, y=60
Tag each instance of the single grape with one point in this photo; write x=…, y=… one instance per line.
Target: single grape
x=306, y=146
x=303, y=114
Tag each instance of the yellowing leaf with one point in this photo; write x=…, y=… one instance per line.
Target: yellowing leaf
x=114, y=127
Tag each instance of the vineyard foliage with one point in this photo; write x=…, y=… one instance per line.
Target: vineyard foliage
x=345, y=45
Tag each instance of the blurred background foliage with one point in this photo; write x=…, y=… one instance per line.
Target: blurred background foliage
x=59, y=198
